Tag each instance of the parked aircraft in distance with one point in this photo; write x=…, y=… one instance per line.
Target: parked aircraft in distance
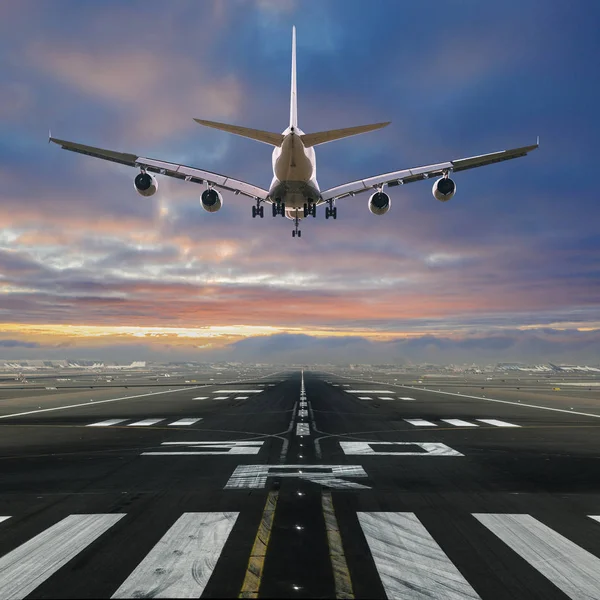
x=294, y=192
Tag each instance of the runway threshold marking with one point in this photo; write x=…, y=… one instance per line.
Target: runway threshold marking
x=33, y=562
x=184, y=422
x=106, y=423
x=341, y=574
x=181, y=563
x=145, y=423
x=256, y=563
x=210, y=448
x=409, y=561
x=4, y=518
x=570, y=568
x=420, y=423
x=238, y=391
x=201, y=398
x=497, y=423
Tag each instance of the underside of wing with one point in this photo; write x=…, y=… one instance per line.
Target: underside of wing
x=166, y=168
x=418, y=173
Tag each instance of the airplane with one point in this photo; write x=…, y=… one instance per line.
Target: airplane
x=294, y=192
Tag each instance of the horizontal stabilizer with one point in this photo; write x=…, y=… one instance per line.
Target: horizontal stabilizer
x=274, y=139
x=314, y=139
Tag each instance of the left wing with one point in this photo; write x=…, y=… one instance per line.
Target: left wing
x=417, y=174
x=167, y=168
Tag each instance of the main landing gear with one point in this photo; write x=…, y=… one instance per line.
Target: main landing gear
x=331, y=210
x=258, y=210
x=310, y=208
x=278, y=208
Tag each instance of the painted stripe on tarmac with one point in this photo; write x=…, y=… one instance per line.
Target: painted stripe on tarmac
x=369, y=391
x=145, y=423
x=459, y=423
x=407, y=399
x=341, y=574
x=242, y=398
x=411, y=564
x=365, y=398
x=221, y=398
x=184, y=422
x=4, y=518
x=32, y=563
x=420, y=423
x=201, y=398
x=497, y=423
x=238, y=391
x=302, y=429
x=256, y=563
x=106, y=423
x=181, y=563
x=570, y=568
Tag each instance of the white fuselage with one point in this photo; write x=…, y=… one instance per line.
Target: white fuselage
x=294, y=172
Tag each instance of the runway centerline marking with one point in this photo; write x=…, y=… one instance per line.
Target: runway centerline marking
x=32, y=563
x=302, y=429
x=181, y=563
x=570, y=568
x=409, y=561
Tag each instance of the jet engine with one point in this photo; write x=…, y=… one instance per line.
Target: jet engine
x=145, y=184
x=443, y=189
x=379, y=203
x=211, y=200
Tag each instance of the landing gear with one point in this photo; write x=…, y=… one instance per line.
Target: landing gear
x=296, y=232
x=310, y=208
x=331, y=210
x=278, y=208
x=258, y=210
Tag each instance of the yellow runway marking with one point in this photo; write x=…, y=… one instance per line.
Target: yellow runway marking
x=341, y=575
x=256, y=564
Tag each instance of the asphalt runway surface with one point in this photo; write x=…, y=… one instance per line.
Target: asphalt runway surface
x=293, y=485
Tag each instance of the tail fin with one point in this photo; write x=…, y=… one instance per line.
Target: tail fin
x=293, y=94
x=274, y=139
x=314, y=139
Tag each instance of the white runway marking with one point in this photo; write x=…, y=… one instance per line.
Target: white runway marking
x=201, y=398
x=145, y=423
x=181, y=564
x=365, y=398
x=385, y=398
x=302, y=429
x=570, y=568
x=596, y=518
x=42, y=410
x=210, y=448
x=221, y=398
x=32, y=563
x=184, y=422
x=460, y=423
x=255, y=476
x=497, y=423
x=238, y=391
x=411, y=564
x=106, y=423
x=408, y=399
x=431, y=449
x=369, y=391
x=303, y=413
x=420, y=423
x=242, y=398
x=4, y=518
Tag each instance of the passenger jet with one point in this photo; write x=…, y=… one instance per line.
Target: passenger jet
x=294, y=192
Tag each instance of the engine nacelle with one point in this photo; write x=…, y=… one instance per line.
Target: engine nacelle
x=379, y=203
x=145, y=184
x=211, y=200
x=443, y=189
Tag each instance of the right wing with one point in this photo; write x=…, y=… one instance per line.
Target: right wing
x=167, y=168
x=419, y=173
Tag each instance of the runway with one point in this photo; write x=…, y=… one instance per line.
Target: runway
x=321, y=484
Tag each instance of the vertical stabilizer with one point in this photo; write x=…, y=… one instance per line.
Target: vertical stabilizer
x=293, y=94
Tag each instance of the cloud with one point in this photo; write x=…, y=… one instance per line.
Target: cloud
x=17, y=344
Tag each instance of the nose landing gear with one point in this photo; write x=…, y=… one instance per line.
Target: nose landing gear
x=296, y=232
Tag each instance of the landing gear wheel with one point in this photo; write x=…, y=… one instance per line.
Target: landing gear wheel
x=306, y=210
x=326, y=213
x=254, y=212
x=299, y=233
x=282, y=209
x=334, y=212
x=274, y=206
x=261, y=211
x=294, y=233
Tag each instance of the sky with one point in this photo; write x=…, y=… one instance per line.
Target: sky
x=509, y=269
